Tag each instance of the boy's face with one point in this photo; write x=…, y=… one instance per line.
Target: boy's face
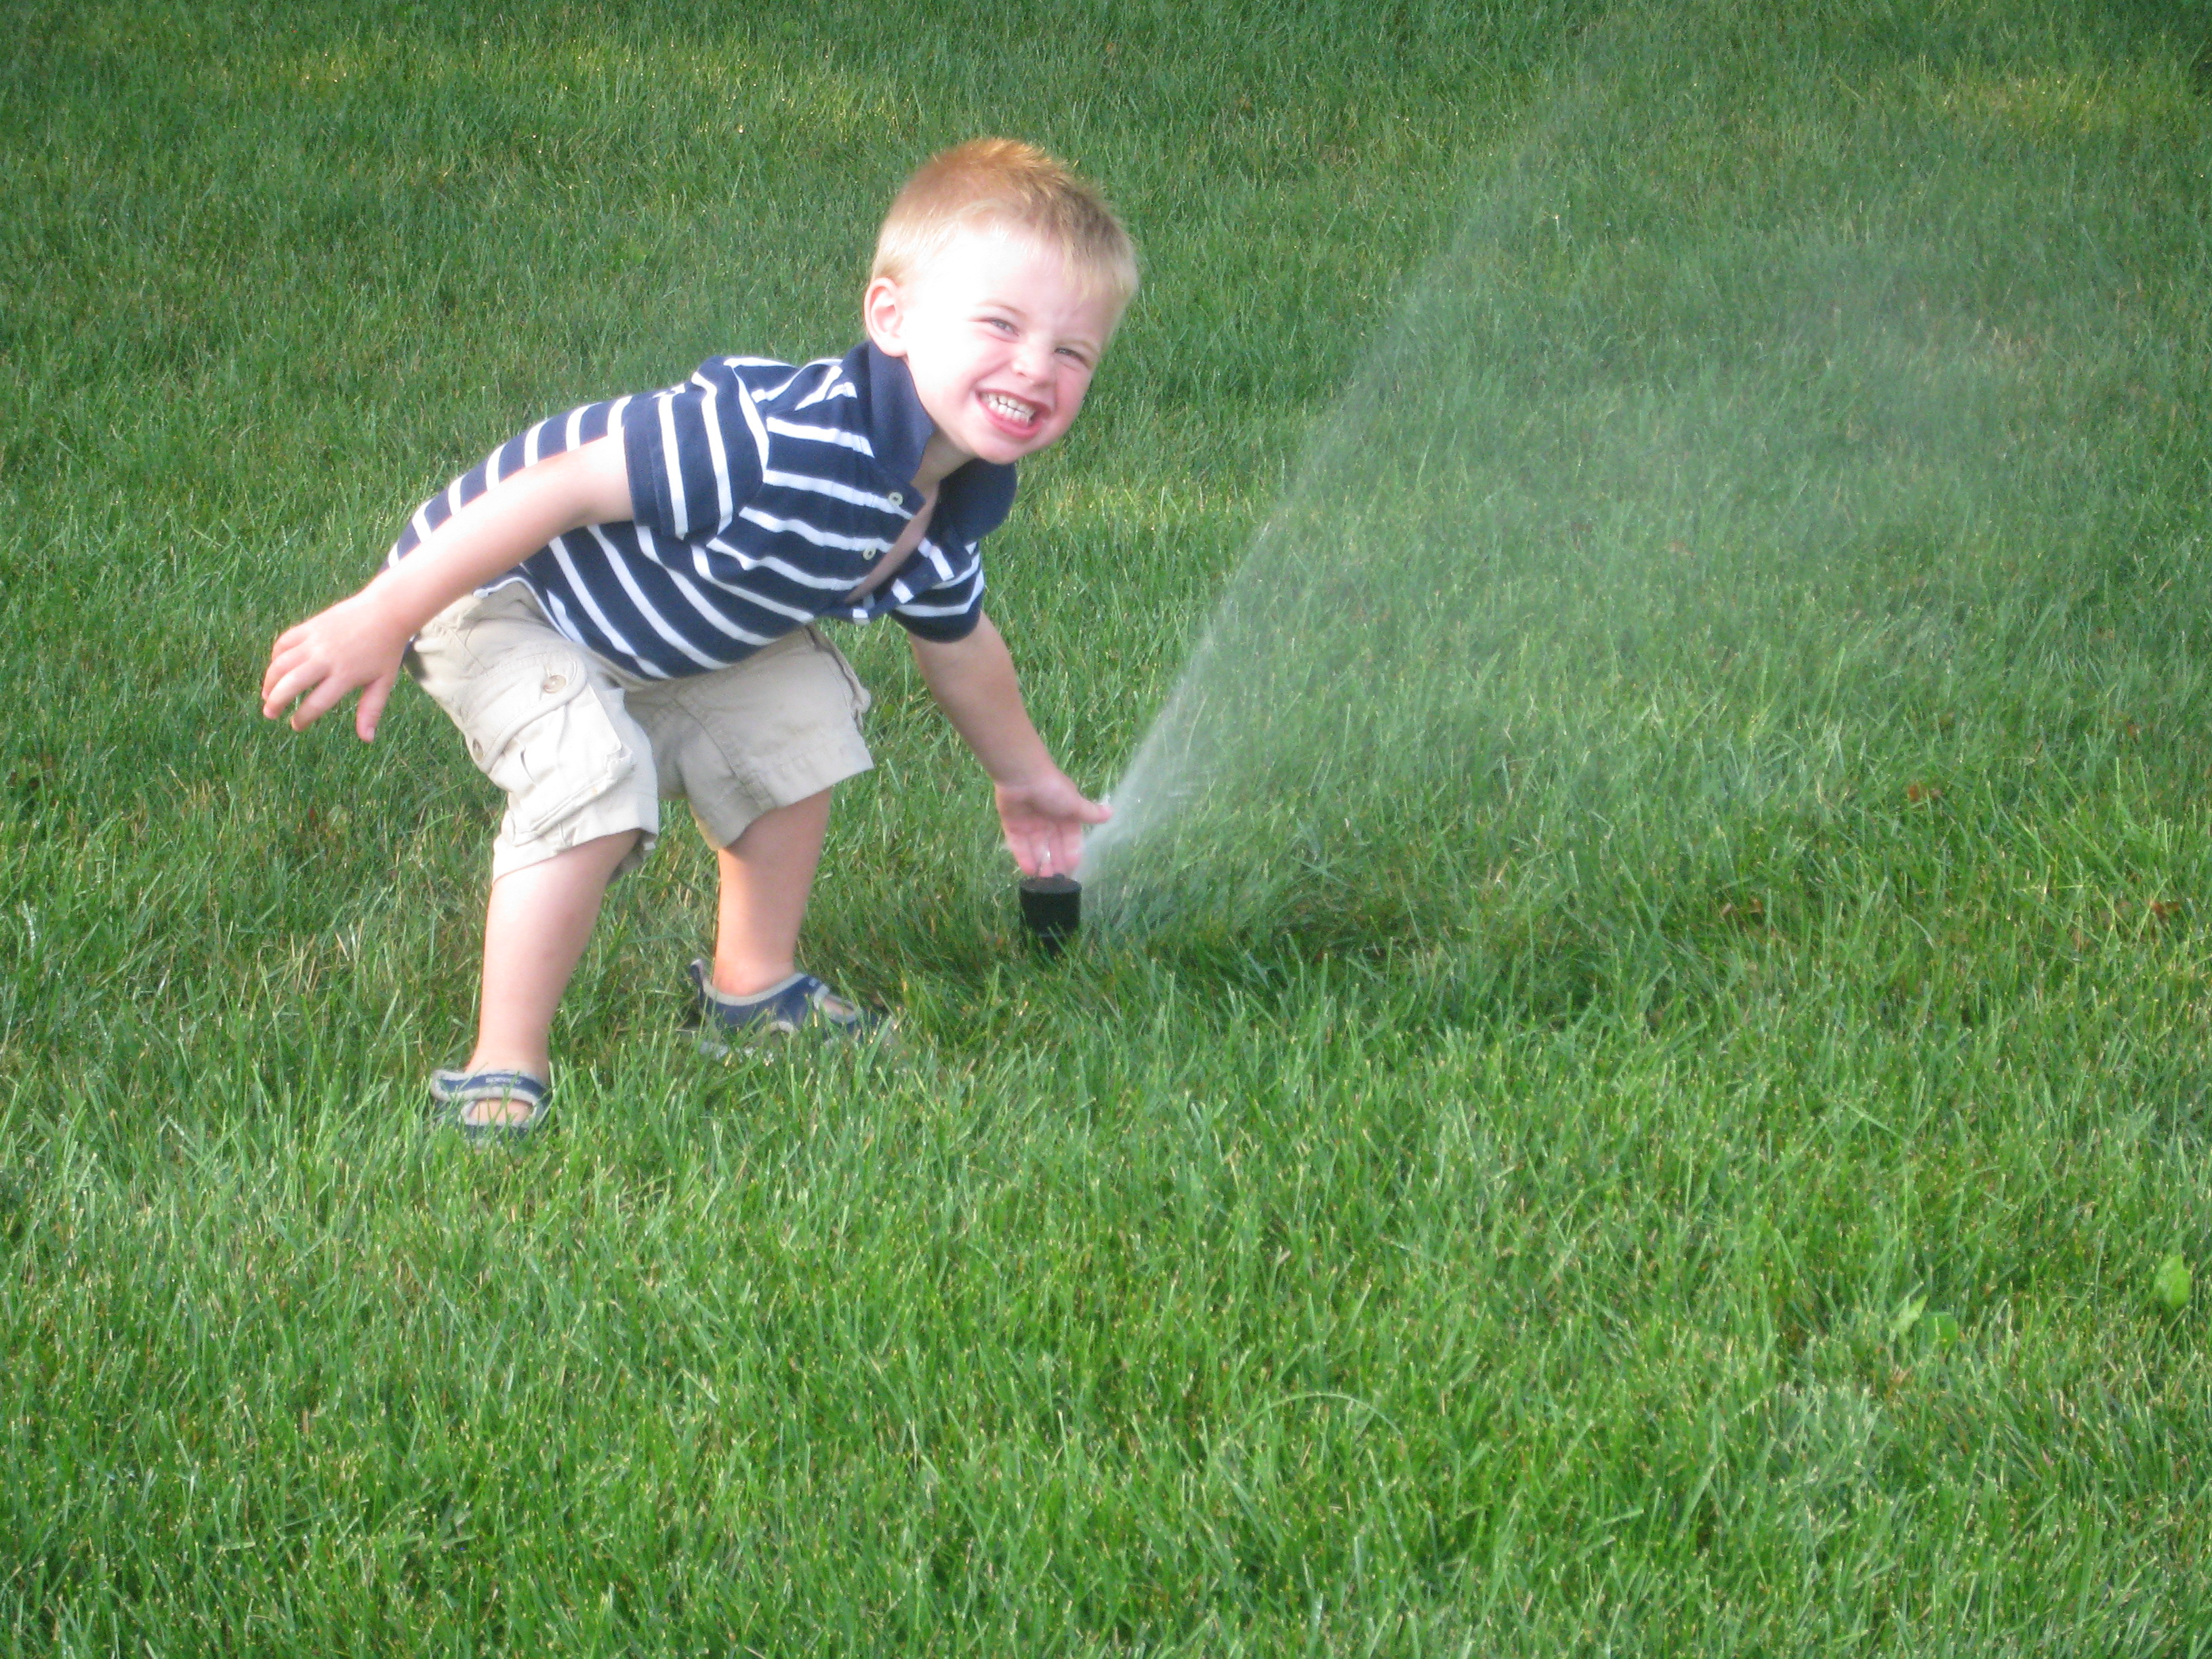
x=1001, y=340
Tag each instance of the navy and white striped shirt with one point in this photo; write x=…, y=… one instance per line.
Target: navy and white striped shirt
x=763, y=494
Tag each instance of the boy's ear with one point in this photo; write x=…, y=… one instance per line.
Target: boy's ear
x=883, y=313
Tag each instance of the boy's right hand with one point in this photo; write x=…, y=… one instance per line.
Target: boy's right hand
x=358, y=642
x=355, y=644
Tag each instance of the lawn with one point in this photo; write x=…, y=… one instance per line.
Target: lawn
x=1648, y=1076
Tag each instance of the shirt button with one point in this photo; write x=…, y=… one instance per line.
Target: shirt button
x=897, y=499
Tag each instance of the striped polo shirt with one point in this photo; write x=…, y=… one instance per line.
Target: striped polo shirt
x=763, y=494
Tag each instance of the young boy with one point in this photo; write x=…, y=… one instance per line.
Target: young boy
x=619, y=605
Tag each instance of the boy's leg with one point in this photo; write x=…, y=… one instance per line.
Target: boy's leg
x=756, y=749
x=545, y=721
x=767, y=874
x=536, y=926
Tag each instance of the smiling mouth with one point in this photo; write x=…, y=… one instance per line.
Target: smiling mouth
x=1013, y=411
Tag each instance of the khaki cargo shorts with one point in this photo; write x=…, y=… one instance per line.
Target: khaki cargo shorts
x=583, y=749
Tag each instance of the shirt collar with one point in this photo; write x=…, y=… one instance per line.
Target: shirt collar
x=975, y=499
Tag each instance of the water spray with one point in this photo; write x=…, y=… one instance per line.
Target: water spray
x=1658, y=495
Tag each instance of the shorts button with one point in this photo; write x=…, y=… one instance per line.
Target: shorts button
x=554, y=682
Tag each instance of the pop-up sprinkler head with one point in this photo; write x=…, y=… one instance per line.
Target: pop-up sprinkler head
x=1052, y=908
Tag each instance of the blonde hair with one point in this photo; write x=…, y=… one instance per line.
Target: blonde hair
x=1005, y=184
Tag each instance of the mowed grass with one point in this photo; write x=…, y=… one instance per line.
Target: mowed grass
x=1724, y=1222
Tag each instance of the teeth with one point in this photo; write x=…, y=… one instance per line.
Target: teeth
x=1014, y=409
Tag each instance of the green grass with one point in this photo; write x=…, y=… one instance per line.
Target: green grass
x=1672, y=1158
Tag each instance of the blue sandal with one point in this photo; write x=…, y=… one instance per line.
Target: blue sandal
x=801, y=1003
x=459, y=1090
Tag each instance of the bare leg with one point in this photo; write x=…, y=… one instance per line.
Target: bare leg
x=536, y=926
x=767, y=874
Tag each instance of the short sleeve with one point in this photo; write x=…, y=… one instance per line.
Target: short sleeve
x=947, y=613
x=694, y=452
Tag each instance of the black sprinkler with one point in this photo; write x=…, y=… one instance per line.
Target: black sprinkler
x=1052, y=909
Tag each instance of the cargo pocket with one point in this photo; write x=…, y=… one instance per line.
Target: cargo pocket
x=861, y=699
x=536, y=728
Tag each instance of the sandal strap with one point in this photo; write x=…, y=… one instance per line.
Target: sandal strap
x=456, y=1092
x=456, y=1088
x=786, y=1005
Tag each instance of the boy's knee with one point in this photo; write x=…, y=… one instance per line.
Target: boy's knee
x=606, y=827
x=601, y=858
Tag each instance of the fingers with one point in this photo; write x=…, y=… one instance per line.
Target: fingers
x=313, y=685
x=295, y=669
x=1046, y=849
x=316, y=664
x=294, y=646
x=279, y=658
x=1051, y=859
x=1067, y=849
x=283, y=658
x=1031, y=851
x=1044, y=824
x=309, y=689
x=279, y=688
x=318, y=703
x=374, y=696
x=1073, y=807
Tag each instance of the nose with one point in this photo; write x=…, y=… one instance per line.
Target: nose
x=1033, y=361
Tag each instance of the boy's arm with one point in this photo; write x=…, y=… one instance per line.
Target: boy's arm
x=1040, y=808
x=358, y=642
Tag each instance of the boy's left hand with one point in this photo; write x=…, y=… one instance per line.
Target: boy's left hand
x=1044, y=823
